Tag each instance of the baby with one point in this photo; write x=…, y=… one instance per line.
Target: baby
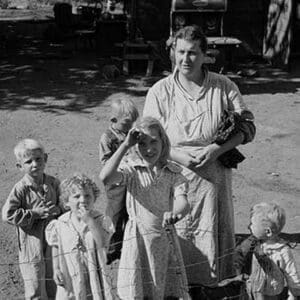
x=79, y=239
x=31, y=204
x=265, y=257
x=123, y=115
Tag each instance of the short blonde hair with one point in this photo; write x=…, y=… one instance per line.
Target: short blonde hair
x=152, y=123
x=121, y=107
x=81, y=181
x=271, y=213
x=27, y=145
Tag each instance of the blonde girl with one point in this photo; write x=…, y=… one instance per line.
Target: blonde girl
x=79, y=239
x=151, y=265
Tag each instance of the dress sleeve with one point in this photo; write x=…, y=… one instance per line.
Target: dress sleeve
x=152, y=107
x=237, y=105
x=126, y=170
x=290, y=271
x=14, y=212
x=51, y=233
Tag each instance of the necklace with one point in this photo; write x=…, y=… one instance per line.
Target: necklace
x=80, y=244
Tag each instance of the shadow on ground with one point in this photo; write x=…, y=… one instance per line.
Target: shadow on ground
x=55, y=78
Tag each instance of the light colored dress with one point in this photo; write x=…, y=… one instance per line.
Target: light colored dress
x=82, y=264
x=207, y=233
x=151, y=264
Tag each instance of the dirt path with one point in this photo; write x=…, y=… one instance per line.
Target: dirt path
x=64, y=102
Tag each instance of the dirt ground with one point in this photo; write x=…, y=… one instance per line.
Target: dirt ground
x=61, y=98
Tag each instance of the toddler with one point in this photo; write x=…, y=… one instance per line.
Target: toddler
x=265, y=257
x=78, y=239
x=123, y=115
x=31, y=204
x=151, y=264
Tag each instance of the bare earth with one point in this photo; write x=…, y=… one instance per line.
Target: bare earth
x=62, y=100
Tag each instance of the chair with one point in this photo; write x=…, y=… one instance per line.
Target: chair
x=133, y=51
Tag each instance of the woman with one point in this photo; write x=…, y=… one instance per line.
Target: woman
x=190, y=104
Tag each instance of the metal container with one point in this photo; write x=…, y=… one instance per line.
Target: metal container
x=199, y=5
x=208, y=14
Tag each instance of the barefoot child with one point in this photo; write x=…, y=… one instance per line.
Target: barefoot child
x=31, y=204
x=265, y=257
x=123, y=115
x=151, y=265
x=78, y=239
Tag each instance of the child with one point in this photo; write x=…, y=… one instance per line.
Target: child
x=265, y=257
x=123, y=115
x=151, y=264
x=78, y=239
x=31, y=204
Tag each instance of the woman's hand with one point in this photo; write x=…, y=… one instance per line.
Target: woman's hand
x=58, y=277
x=207, y=155
x=170, y=218
x=184, y=158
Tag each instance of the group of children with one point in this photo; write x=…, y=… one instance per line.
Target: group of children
x=62, y=236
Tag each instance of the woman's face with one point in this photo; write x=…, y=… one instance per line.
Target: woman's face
x=189, y=57
x=150, y=146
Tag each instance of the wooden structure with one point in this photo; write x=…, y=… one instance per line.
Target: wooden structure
x=133, y=51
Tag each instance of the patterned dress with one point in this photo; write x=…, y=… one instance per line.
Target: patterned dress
x=207, y=233
x=82, y=264
x=151, y=264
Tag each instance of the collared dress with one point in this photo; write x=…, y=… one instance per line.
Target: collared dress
x=34, y=253
x=207, y=232
x=151, y=265
x=81, y=262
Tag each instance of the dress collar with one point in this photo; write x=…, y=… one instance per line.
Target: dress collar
x=202, y=88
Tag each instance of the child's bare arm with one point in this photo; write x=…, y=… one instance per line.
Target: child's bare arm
x=180, y=209
x=57, y=274
x=95, y=223
x=109, y=173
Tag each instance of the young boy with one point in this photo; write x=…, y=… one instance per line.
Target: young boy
x=31, y=204
x=265, y=257
x=123, y=115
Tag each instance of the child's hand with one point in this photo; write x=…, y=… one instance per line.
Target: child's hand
x=41, y=210
x=133, y=137
x=54, y=210
x=170, y=218
x=85, y=214
x=58, y=277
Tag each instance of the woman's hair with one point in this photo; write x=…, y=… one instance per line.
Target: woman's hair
x=152, y=123
x=121, y=107
x=27, y=145
x=79, y=180
x=192, y=33
x=271, y=213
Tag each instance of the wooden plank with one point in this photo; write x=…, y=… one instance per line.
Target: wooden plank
x=137, y=57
